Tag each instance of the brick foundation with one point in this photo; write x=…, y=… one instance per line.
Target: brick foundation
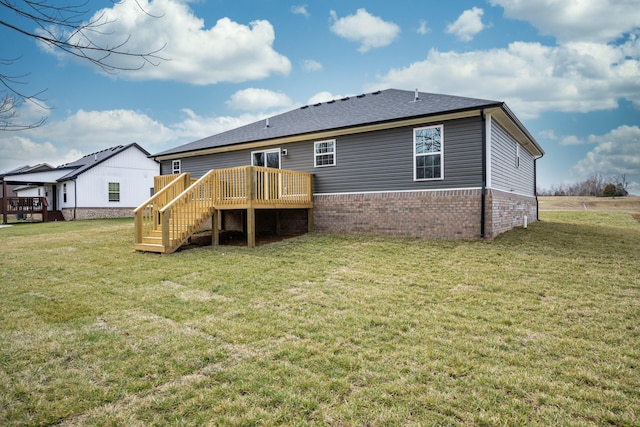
x=507, y=210
x=96, y=213
x=445, y=214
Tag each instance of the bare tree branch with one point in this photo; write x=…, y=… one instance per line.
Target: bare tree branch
x=63, y=27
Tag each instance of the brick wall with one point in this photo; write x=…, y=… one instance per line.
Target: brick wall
x=96, y=213
x=446, y=214
x=508, y=211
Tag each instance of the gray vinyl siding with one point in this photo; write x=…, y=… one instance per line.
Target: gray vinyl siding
x=504, y=173
x=370, y=162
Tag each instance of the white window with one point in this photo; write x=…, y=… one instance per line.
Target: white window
x=324, y=153
x=114, y=191
x=176, y=167
x=428, y=150
x=517, y=155
x=266, y=158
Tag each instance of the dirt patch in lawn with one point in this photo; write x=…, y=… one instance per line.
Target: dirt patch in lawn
x=231, y=238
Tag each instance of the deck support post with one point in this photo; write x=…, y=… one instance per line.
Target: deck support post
x=251, y=228
x=138, y=225
x=310, y=220
x=4, y=201
x=166, y=242
x=251, y=212
x=215, y=231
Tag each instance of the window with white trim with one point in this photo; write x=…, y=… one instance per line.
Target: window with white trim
x=324, y=153
x=114, y=191
x=517, y=155
x=428, y=150
x=176, y=167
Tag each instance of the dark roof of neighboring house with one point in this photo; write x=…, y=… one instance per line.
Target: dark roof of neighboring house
x=79, y=166
x=90, y=160
x=28, y=169
x=370, y=108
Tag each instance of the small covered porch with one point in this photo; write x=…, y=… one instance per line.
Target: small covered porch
x=37, y=197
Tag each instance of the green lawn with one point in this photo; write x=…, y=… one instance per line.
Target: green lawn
x=539, y=327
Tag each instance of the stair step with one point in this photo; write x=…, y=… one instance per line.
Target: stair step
x=148, y=247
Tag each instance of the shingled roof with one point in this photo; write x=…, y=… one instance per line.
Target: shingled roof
x=370, y=108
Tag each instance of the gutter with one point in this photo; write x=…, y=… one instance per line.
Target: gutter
x=484, y=174
x=75, y=197
x=535, y=184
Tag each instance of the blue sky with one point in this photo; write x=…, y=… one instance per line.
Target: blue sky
x=570, y=70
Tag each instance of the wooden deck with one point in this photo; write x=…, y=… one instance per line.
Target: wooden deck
x=181, y=205
x=23, y=206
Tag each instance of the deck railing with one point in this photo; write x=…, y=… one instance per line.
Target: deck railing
x=23, y=205
x=161, y=181
x=265, y=187
x=183, y=215
x=146, y=215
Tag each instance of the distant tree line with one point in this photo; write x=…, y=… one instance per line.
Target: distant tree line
x=598, y=185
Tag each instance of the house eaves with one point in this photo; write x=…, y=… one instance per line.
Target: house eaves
x=43, y=177
x=505, y=117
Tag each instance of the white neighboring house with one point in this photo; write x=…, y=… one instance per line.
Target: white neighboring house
x=106, y=184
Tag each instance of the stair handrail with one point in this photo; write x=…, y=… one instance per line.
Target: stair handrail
x=195, y=203
x=146, y=215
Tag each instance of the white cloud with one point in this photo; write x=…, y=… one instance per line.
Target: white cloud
x=300, y=10
x=423, y=28
x=468, y=24
x=226, y=52
x=617, y=152
x=549, y=134
x=194, y=126
x=16, y=151
x=530, y=77
x=368, y=30
x=583, y=20
x=95, y=130
x=253, y=99
x=84, y=132
x=324, y=96
x=572, y=140
x=311, y=65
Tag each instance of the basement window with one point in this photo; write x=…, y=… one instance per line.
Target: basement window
x=114, y=191
x=428, y=149
x=324, y=153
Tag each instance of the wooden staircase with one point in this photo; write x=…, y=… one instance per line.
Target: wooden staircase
x=180, y=227
x=167, y=220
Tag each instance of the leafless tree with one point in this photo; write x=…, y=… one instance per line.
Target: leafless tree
x=62, y=26
x=595, y=185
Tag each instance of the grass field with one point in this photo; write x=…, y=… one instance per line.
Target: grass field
x=539, y=327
